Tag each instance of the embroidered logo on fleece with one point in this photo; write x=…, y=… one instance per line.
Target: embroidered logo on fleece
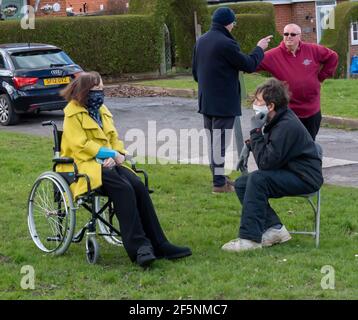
x=306, y=62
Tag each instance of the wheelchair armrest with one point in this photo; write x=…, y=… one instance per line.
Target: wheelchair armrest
x=63, y=160
x=132, y=161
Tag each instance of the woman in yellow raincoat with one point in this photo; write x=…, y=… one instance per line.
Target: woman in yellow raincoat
x=90, y=138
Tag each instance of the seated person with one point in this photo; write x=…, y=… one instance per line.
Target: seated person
x=288, y=164
x=90, y=138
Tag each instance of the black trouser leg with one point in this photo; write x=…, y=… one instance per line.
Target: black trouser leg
x=128, y=206
x=313, y=124
x=219, y=139
x=145, y=206
x=254, y=191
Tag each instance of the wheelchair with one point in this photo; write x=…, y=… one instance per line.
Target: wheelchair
x=52, y=210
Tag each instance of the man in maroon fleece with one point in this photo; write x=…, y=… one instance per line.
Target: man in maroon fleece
x=304, y=66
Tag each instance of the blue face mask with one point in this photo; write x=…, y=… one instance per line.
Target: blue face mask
x=95, y=100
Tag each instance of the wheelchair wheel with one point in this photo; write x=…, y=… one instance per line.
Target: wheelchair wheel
x=51, y=213
x=110, y=217
x=92, y=249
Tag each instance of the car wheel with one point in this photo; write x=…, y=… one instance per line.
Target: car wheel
x=8, y=116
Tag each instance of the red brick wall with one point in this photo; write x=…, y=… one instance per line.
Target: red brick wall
x=39, y=13
x=283, y=14
x=300, y=12
x=297, y=13
x=92, y=5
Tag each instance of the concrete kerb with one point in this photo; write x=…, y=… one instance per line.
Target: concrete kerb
x=339, y=122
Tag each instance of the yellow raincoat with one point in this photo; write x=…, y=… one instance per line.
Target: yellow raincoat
x=81, y=140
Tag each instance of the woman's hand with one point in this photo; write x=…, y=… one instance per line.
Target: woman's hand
x=109, y=163
x=119, y=159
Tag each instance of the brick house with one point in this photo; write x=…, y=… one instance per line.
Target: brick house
x=77, y=6
x=310, y=15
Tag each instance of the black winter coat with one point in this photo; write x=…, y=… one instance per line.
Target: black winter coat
x=217, y=59
x=286, y=144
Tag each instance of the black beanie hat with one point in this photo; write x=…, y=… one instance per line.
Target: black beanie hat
x=224, y=16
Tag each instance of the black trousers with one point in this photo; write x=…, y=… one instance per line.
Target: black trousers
x=254, y=191
x=218, y=143
x=313, y=124
x=134, y=209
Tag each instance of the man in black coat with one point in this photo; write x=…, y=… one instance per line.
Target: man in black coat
x=217, y=59
x=289, y=163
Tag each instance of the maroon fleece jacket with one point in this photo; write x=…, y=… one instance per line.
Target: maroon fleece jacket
x=304, y=72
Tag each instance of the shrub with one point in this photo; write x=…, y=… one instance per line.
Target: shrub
x=178, y=15
x=337, y=39
x=116, y=7
x=255, y=20
x=110, y=45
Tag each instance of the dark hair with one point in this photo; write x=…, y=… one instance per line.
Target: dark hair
x=274, y=91
x=79, y=88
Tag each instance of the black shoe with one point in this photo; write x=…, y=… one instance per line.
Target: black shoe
x=170, y=251
x=145, y=256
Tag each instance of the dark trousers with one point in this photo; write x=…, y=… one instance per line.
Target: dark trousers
x=254, y=191
x=134, y=209
x=313, y=124
x=218, y=143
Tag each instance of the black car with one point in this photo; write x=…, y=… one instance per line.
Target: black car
x=31, y=77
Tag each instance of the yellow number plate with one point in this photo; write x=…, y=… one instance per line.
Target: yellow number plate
x=56, y=81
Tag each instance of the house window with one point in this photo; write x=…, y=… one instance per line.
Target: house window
x=354, y=31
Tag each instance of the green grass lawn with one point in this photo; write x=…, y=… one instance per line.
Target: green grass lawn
x=339, y=97
x=190, y=215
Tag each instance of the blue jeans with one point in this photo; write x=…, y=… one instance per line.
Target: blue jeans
x=254, y=191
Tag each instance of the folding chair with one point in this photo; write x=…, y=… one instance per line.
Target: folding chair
x=316, y=206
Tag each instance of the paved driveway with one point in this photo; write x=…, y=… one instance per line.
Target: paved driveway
x=161, y=121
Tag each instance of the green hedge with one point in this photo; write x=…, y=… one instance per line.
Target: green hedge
x=111, y=45
x=142, y=7
x=252, y=7
x=184, y=27
x=338, y=38
x=255, y=20
x=179, y=17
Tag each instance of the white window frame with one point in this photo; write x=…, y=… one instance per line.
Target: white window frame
x=354, y=42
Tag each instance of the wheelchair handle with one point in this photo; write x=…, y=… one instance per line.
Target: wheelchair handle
x=55, y=136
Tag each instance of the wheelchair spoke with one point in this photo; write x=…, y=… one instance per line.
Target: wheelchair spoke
x=49, y=214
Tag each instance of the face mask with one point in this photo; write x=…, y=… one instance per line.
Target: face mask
x=263, y=109
x=95, y=99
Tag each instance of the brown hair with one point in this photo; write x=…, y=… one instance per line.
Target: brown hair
x=274, y=91
x=79, y=88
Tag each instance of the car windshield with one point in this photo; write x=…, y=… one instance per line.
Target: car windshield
x=40, y=59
